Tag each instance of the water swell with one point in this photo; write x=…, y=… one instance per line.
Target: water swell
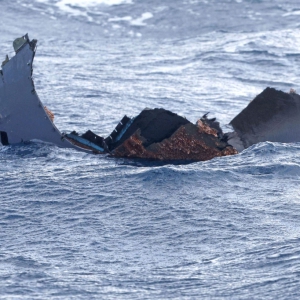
x=75, y=225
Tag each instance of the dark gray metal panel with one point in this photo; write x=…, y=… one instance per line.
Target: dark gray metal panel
x=22, y=114
x=271, y=116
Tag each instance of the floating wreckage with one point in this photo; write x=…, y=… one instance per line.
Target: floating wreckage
x=22, y=114
x=154, y=134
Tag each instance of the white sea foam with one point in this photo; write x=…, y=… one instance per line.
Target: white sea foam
x=69, y=6
x=80, y=7
x=88, y=3
x=140, y=21
x=134, y=22
x=292, y=13
x=65, y=7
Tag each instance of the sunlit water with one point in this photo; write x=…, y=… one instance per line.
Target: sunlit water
x=81, y=226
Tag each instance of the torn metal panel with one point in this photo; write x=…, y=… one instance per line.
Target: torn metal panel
x=155, y=125
x=271, y=116
x=22, y=114
x=89, y=141
x=118, y=132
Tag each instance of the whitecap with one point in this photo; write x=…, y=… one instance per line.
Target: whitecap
x=64, y=6
x=292, y=13
x=127, y=18
x=134, y=22
x=140, y=21
x=88, y=3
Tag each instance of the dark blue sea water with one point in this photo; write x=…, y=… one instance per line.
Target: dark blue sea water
x=81, y=226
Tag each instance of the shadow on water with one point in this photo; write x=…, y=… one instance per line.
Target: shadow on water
x=27, y=149
x=139, y=162
x=37, y=149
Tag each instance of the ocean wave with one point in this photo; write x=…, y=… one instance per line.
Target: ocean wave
x=91, y=226
x=85, y=3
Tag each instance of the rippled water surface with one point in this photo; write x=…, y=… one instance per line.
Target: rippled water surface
x=81, y=226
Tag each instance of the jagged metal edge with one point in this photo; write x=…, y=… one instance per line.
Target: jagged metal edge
x=22, y=114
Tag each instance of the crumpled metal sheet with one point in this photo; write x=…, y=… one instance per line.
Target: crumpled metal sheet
x=190, y=142
x=205, y=128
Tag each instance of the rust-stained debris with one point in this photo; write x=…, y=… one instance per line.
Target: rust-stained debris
x=49, y=113
x=184, y=144
x=189, y=142
x=156, y=134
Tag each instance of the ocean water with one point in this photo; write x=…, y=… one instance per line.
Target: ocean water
x=81, y=226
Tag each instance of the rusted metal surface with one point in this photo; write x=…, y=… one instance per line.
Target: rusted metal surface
x=49, y=113
x=189, y=142
x=204, y=128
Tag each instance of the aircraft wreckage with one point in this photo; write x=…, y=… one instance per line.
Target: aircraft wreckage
x=153, y=134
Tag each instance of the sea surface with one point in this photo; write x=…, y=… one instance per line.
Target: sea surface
x=81, y=226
